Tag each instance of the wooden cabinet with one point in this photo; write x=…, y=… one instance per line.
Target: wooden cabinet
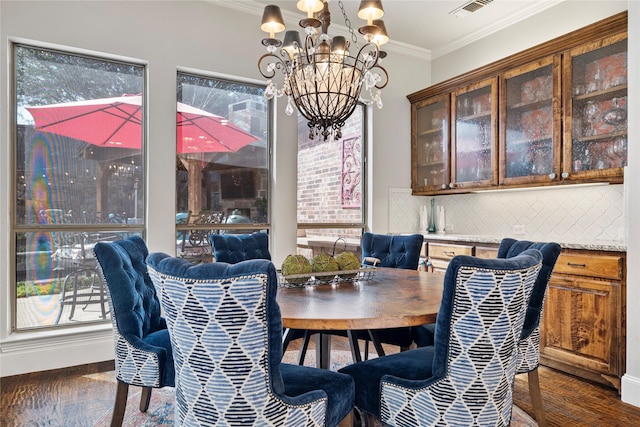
x=595, y=82
x=441, y=253
x=474, y=153
x=583, y=329
x=553, y=114
x=530, y=134
x=486, y=251
x=583, y=326
x=430, y=149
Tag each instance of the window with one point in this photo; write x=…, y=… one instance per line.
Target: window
x=79, y=179
x=331, y=178
x=222, y=167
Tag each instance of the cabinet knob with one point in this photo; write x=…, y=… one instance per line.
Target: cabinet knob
x=451, y=185
x=565, y=175
x=552, y=175
x=444, y=186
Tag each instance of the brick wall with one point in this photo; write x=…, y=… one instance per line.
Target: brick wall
x=319, y=179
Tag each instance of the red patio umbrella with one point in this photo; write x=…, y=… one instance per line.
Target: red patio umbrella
x=117, y=122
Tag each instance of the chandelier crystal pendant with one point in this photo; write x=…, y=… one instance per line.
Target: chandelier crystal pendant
x=321, y=77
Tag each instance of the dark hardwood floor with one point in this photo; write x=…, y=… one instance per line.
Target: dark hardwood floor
x=79, y=396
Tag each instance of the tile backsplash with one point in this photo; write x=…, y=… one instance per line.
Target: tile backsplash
x=578, y=214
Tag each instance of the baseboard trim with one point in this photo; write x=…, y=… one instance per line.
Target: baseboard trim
x=54, y=353
x=631, y=390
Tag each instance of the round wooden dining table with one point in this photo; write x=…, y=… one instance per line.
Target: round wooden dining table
x=390, y=298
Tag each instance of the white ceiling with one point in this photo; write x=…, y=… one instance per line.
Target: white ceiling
x=419, y=24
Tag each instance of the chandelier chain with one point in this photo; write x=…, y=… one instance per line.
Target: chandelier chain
x=347, y=22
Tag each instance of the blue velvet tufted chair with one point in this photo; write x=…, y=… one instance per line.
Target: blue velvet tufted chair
x=466, y=378
x=401, y=251
x=143, y=354
x=395, y=252
x=233, y=248
x=226, y=332
x=392, y=251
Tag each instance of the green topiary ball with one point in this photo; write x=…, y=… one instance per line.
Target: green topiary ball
x=296, y=264
x=324, y=263
x=347, y=261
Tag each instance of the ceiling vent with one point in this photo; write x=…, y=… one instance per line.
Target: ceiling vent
x=469, y=7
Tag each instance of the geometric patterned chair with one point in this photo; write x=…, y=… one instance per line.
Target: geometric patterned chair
x=466, y=378
x=143, y=354
x=226, y=332
x=529, y=344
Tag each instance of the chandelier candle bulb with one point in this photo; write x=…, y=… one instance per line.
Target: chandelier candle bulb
x=322, y=78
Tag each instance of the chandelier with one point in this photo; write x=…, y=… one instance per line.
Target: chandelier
x=322, y=77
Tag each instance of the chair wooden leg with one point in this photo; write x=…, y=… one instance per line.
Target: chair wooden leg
x=536, y=397
x=120, y=404
x=145, y=398
x=348, y=421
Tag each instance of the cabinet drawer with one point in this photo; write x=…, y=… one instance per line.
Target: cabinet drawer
x=448, y=251
x=486, y=252
x=602, y=266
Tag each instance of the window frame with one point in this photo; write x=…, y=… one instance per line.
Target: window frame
x=15, y=228
x=363, y=224
x=270, y=117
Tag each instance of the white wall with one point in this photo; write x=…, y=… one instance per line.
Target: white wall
x=631, y=380
x=167, y=35
x=548, y=24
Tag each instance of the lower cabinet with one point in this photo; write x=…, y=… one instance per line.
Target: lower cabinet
x=583, y=329
x=441, y=253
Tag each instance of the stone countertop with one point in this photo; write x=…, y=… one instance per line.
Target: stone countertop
x=598, y=245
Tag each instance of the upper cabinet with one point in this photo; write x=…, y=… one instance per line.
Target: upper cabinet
x=554, y=114
x=595, y=109
x=530, y=130
x=430, y=150
x=474, y=160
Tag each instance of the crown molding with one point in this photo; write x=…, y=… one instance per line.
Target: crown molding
x=523, y=14
x=254, y=8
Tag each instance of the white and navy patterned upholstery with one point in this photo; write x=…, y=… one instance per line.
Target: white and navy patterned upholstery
x=466, y=378
x=134, y=365
x=226, y=333
x=529, y=345
x=529, y=352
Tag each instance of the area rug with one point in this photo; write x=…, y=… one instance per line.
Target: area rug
x=161, y=413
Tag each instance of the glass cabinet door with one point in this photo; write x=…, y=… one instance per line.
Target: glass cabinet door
x=530, y=123
x=430, y=150
x=596, y=109
x=474, y=160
